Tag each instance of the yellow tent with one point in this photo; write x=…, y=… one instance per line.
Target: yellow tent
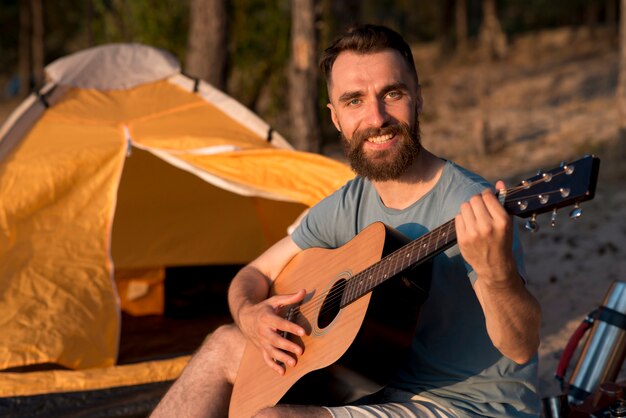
x=122, y=163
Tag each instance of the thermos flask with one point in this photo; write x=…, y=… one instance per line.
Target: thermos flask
x=603, y=354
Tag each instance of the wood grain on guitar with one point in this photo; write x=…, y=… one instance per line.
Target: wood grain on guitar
x=348, y=315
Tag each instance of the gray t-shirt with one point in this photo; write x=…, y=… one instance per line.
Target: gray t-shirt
x=453, y=361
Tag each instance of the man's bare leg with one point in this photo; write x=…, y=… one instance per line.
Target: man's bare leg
x=205, y=386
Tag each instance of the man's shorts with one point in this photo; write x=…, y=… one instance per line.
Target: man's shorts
x=393, y=403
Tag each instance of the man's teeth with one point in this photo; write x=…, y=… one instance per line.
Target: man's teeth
x=380, y=139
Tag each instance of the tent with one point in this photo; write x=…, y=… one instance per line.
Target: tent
x=121, y=164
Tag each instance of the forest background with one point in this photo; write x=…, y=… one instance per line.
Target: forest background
x=509, y=86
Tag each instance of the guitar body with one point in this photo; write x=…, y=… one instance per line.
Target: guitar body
x=376, y=328
x=360, y=312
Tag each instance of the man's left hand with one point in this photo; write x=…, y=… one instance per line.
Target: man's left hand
x=485, y=236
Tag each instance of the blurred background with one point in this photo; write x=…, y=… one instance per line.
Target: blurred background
x=509, y=86
x=498, y=75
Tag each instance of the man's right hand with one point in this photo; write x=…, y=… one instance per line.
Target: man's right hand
x=263, y=326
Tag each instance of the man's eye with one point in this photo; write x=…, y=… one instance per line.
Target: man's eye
x=394, y=94
x=354, y=102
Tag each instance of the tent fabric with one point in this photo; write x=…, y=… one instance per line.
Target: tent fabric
x=56, y=381
x=55, y=267
x=101, y=173
x=113, y=67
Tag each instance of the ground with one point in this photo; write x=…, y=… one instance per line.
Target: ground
x=545, y=103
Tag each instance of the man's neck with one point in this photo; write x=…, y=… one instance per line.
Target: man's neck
x=418, y=180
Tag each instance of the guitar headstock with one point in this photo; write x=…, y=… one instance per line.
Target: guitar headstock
x=568, y=184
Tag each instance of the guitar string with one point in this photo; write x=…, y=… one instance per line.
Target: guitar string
x=337, y=292
x=334, y=296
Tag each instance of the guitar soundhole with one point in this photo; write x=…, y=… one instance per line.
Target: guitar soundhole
x=330, y=307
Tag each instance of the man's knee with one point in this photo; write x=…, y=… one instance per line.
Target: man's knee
x=226, y=336
x=223, y=349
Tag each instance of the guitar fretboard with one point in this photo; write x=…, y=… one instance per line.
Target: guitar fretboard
x=410, y=255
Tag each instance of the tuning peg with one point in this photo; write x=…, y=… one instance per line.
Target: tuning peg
x=531, y=224
x=576, y=213
x=553, y=218
x=569, y=169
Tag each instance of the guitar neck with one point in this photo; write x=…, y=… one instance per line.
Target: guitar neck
x=412, y=254
x=570, y=183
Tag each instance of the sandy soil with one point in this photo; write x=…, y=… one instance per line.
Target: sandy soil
x=572, y=266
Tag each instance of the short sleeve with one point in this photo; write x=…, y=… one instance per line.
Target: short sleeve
x=330, y=223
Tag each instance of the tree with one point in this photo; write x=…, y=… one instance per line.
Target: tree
x=31, y=46
x=621, y=86
x=24, y=52
x=37, y=42
x=303, y=78
x=592, y=13
x=206, y=44
x=460, y=18
x=493, y=43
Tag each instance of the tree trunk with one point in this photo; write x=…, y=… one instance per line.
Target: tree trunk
x=591, y=16
x=37, y=43
x=460, y=16
x=303, y=76
x=89, y=20
x=610, y=14
x=493, y=43
x=24, y=47
x=207, y=48
x=621, y=85
x=446, y=24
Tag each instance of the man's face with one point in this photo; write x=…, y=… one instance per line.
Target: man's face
x=374, y=102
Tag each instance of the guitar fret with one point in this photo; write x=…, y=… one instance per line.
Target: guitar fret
x=418, y=250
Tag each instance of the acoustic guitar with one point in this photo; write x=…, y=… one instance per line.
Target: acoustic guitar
x=347, y=312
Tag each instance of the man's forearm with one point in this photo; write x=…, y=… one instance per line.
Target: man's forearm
x=512, y=316
x=249, y=286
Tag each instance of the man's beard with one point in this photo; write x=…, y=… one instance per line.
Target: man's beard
x=387, y=164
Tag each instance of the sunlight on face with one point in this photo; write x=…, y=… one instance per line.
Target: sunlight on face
x=374, y=104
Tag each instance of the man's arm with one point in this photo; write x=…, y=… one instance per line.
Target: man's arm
x=256, y=315
x=204, y=387
x=512, y=314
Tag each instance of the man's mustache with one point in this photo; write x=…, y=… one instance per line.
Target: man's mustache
x=362, y=135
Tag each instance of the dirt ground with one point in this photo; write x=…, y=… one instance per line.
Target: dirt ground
x=545, y=103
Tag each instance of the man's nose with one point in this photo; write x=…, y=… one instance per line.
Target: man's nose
x=377, y=115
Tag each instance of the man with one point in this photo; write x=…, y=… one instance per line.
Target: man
x=474, y=353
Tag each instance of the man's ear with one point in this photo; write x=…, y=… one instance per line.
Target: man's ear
x=333, y=116
x=420, y=101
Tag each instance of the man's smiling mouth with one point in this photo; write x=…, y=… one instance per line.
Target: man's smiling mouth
x=380, y=139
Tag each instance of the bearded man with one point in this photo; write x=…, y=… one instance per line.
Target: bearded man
x=475, y=349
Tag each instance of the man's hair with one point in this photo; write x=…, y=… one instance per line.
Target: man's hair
x=366, y=39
